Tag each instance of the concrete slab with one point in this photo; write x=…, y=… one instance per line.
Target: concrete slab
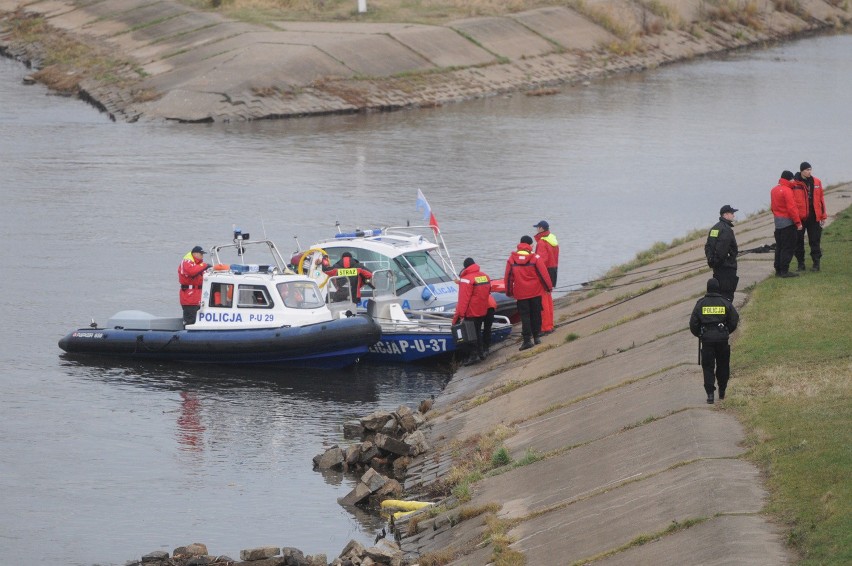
x=566, y=28
x=612, y=519
x=605, y=414
x=504, y=37
x=443, y=47
x=729, y=539
x=626, y=456
x=156, y=40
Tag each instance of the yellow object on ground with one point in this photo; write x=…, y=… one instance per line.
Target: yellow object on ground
x=405, y=505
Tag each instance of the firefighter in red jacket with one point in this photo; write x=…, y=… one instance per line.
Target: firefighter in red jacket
x=191, y=277
x=473, y=304
x=527, y=280
x=810, y=199
x=547, y=247
x=349, y=267
x=787, y=222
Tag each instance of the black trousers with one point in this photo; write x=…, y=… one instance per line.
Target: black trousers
x=814, y=231
x=716, y=363
x=189, y=313
x=785, y=244
x=487, y=322
x=728, y=280
x=530, y=311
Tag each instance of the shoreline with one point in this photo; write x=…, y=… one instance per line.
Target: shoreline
x=196, y=66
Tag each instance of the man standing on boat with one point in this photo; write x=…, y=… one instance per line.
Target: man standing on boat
x=349, y=267
x=721, y=252
x=474, y=295
x=190, y=276
x=527, y=280
x=547, y=247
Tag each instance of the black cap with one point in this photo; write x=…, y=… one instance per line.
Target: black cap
x=542, y=224
x=712, y=285
x=468, y=262
x=198, y=250
x=727, y=208
x=804, y=165
x=526, y=240
x=346, y=254
x=787, y=175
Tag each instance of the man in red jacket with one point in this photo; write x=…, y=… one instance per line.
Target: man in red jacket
x=191, y=276
x=527, y=280
x=787, y=221
x=474, y=295
x=811, y=201
x=548, y=248
x=349, y=267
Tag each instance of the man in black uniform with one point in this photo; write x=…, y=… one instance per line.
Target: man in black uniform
x=721, y=252
x=712, y=321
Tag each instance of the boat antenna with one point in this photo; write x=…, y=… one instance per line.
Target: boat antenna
x=263, y=227
x=337, y=225
x=298, y=245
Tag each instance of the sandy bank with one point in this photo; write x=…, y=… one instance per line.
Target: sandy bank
x=192, y=66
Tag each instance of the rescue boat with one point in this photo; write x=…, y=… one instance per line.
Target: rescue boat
x=251, y=313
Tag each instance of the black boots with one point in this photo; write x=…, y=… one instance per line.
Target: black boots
x=801, y=266
x=815, y=266
x=526, y=345
x=709, y=398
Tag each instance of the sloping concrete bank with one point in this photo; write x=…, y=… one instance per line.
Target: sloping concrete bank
x=195, y=66
x=613, y=443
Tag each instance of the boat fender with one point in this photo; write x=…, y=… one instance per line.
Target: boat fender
x=221, y=267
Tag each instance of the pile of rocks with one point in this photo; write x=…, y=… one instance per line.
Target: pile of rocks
x=355, y=554
x=388, y=441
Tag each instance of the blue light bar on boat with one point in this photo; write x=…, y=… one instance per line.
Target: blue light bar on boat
x=360, y=233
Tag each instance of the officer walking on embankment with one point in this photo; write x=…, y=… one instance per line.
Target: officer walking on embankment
x=712, y=321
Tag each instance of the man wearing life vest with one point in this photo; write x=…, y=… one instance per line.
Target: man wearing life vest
x=474, y=293
x=787, y=221
x=349, y=267
x=527, y=280
x=190, y=277
x=712, y=321
x=810, y=199
x=547, y=247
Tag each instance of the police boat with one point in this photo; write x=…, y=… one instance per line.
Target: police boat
x=408, y=335
x=423, y=271
x=250, y=314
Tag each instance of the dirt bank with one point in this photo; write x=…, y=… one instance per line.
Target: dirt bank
x=162, y=60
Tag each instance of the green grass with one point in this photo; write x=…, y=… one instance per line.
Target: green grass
x=792, y=388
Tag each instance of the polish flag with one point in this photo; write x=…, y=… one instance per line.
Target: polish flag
x=423, y=204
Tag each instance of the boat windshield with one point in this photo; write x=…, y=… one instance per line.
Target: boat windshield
x=427, y=268
x=300, y=295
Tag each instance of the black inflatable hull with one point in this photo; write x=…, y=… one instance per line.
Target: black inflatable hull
x=333, y=344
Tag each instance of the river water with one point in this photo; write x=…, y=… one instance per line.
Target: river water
x=100, y=463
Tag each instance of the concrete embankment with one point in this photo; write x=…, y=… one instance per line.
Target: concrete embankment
x=610, y=415
x=194, y=66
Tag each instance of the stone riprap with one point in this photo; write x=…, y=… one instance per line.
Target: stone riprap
x=200, y=67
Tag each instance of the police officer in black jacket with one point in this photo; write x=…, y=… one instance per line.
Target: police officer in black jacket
x=712, y=320
x=721, y=252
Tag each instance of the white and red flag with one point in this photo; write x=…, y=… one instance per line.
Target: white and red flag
x=423, y=204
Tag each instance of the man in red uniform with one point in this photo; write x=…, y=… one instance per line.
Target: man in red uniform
x=547, y=247
x=810, y=198
x=190, y=277
x=349, y=267
x=474, y=295
x=527, y=280
x=787, y=221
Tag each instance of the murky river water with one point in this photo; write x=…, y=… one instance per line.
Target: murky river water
x=102, y=463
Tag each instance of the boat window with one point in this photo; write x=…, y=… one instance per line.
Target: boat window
x=222, y=295
x=300, y=295
x=425, y=266
x=370, y=260
x=254, y=297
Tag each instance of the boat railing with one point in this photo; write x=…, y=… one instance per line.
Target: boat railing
x=241, y=248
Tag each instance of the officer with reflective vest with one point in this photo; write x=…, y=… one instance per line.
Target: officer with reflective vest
x=191, y=277
x=349, y=267
x=712, y=321
x=547, y=247
x=721, y=252
x=473, y=304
